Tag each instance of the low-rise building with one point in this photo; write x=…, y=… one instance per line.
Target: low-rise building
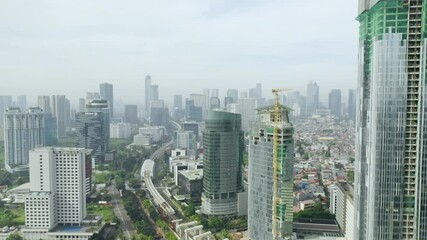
x=307, y=204
x=190, y=184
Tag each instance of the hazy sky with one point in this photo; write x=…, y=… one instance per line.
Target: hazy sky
x=69, y=47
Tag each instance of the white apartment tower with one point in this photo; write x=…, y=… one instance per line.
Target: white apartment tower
x=23, y=131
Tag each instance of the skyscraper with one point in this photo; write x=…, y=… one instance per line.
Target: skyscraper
x=106, y=91
x=21, y=102
x=260, y=202
x=312, y=97
x=391, y=125
x=207, y=94
x=93, y=128
x=131, y=114
x=159, y=116
x=247, y=109
x=177, y=102
x=23, y=131
x=148, y=97
x=352, y=104
x=200, y=101
x=43, y=102
x=60, y=107
x=335, y=102
x=222, y=174
x=234, y=94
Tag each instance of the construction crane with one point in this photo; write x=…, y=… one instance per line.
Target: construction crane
x=277, y=119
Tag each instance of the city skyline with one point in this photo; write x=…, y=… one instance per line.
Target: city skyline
x=91, y=52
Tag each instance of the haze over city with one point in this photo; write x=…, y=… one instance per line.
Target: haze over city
x=69, y=47
x=213, y=120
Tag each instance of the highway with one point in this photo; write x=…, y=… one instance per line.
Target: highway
x=126, y=224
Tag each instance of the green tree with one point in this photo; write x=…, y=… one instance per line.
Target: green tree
x=224, y=234
x=5, y=178
x=170, y=236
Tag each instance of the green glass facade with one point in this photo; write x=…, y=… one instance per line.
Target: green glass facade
x=391, y=146
x=222, y=166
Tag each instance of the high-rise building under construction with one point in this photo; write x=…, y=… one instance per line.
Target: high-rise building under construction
x=391, y=142
x=261, y=180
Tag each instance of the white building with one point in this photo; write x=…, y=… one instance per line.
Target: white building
x=247, y=109
x=157, y=132
x=233, y=108
x=22, y=132
x=120, y=130
x=57, y=194
x=342, y=205
x=142, y=139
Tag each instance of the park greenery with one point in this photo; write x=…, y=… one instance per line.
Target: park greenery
x=106, y=212
x=12, y=216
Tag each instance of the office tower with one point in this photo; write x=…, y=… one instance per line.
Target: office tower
x=195, y=114
x=131, y=114
x=260, y=196
x=159, y=116
x=43, y=102
x=206, y=93
x=244, y=95
x=22, y=131
x=59, y=178
x=258, y=92
x=227, y=101
x=200, y=101
x=293, y=98
x=351, y=104
x=234, y=94
x=191, y=126
x=252, y=93
x=5, y=103
x=312, y=97
x=21, y=102
x=303, y=105
x=93, y=128
x=177, y=102
x=222, y=164
x=154, y=92
x=50, y=129
x=82, y=105
x=185, y=139
x=157, y=104
x=391, y=147
x=214, y=93
x=247, y=109
x=60, y=107
x=106, y=92
x=148, y=97
x=215, y=103
x=335, y=102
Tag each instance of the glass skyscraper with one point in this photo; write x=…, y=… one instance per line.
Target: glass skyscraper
x=222, y=164
x=391, y=160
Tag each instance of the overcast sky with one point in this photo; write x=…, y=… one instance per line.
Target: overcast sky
x=69, y=47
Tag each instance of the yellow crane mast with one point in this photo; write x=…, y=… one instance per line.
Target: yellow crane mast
x=277, y=119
